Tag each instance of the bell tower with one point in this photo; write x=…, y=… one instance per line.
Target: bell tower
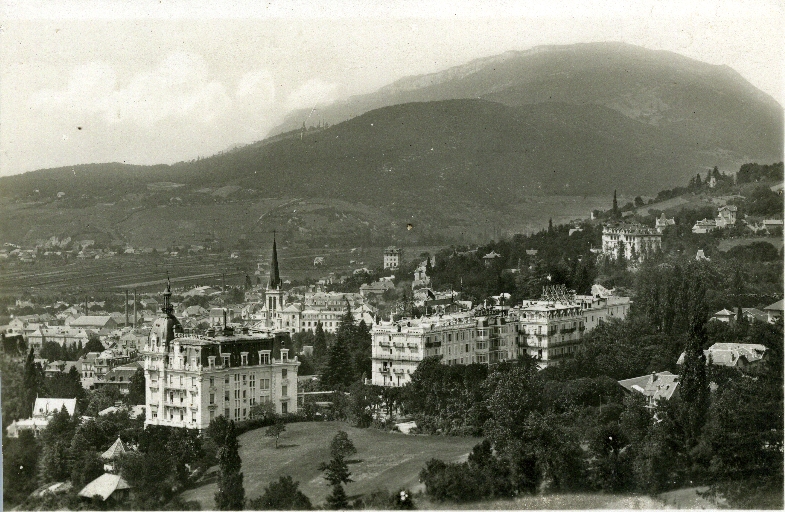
x=274, y=294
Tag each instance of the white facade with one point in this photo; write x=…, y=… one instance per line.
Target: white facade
x=192, y=379
x=637, y=240
x=548, y=331
x=392, y=257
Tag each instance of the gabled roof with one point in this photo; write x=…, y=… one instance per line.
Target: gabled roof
x=777, y=306
x=47, y=406
x=114, y=451
x=104, y=486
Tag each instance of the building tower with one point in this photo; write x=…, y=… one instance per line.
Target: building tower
x=274, y=294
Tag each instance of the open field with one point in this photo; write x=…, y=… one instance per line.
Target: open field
x=383, y=460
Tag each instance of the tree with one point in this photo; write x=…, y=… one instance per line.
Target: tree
x=93, y=344
x=337, y=500
x=217, y=429
x=516, y=392
x=136, y=389
x=336, y=471
x=20, y=465
x=282, y=495
x=31, y=382
x=87, y=467
x=319, y=342
x=339, y=371
x=230, y=495
x=693, y=385
x=342, y=446
x=275, y=430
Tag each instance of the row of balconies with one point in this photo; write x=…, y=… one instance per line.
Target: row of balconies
x=386, y=370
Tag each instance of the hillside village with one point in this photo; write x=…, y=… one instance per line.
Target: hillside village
x=666, y=308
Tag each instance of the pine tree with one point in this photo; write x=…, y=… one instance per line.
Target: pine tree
x=339, y=371
x=428, y=267
x=230, y=495
x=337, y=500
x=550, y=225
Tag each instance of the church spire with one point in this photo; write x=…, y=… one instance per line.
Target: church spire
x=167, y=307
x=275, y=276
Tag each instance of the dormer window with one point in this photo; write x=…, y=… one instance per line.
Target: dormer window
x=244, y=358
x=284, y=354
x=225, y=358
x=264, y=357
x=211, y=362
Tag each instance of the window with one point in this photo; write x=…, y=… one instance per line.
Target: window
x=211, y=361
x=244, y=394
x=226, y=380
x=283, y=373
x=284, y=408
x=244, y=357
x=226, y=413
x=226, y=360
x=226, y=395
x=284, y=390
x=264, y=383
x=264, y=357
x=212, y=415
x=181, y=380
x=212, y=398
x=212, y=382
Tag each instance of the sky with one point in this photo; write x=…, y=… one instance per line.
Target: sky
x=156, y=81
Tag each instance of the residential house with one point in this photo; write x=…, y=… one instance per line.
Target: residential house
x=43, y=410
x=489, y=258
x=774, y=312
x=724, y=315
x=108, y=488
x=393, y=256
x=726, y=216
x=704, y=226
x=654, y=387
x=737, y=355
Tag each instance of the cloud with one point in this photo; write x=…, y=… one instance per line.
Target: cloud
x=178, y=87
x=313, y=92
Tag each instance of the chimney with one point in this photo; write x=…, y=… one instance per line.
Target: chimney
x=653, y=376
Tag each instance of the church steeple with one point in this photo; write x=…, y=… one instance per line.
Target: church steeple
x=167, y=307
x=275, y=276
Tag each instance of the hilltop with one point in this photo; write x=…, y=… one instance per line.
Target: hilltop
x=550, y=124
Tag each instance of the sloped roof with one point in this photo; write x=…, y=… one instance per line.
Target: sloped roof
x=777, y=306
x=656, y=386
x=47, y=406
x=114, y=451
x=89, y=320
x=104, y=486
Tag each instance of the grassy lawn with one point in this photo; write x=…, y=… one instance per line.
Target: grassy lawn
x=383, y=460
x=577, y=501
